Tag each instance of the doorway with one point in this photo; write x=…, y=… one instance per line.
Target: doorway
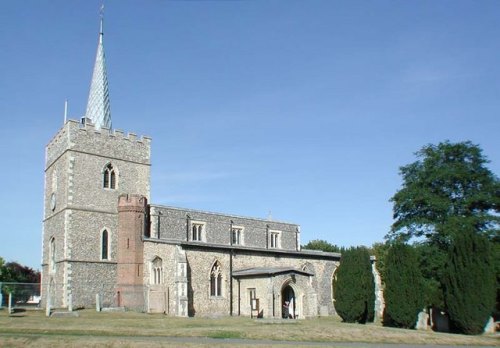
x=288, y=303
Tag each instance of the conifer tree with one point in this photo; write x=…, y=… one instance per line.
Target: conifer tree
x=403, y=287
x=355, y=287
x=469, y=281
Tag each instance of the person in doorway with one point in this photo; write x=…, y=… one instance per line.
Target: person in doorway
x=286, y=312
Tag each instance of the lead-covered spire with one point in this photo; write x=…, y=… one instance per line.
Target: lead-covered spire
x=98, y=107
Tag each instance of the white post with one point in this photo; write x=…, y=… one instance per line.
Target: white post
x=10, y=303
x=97, y=302
x=47, y=307
x=1, y=296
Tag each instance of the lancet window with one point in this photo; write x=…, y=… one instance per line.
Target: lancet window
x=105, y=245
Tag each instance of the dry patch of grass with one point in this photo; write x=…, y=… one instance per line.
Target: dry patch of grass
x=124, y=329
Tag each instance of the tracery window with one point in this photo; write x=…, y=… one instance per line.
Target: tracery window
x=156, y=271
x=105, y=245
x=216, y=280
x=109, y=177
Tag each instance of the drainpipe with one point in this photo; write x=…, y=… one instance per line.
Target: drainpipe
x=239, y=298
x=231, y=282
x=267, y=236
x=158, y=232
x=188, y=223
x=231, y=233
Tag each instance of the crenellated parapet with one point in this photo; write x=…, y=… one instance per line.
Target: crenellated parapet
x=86, y=138
x=132, y=203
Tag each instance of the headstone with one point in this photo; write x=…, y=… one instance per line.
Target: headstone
x=97, y=302
x=490, y=326
x=423, y=319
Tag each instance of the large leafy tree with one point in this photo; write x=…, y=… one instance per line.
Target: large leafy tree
x=323, y=245
x=449, y=180
x=354, y=288
x=470, y=282
x=403, y=287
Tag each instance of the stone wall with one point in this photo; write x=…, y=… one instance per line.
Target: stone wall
x=314, y=291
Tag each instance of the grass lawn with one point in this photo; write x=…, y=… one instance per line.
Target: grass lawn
x=92, y=329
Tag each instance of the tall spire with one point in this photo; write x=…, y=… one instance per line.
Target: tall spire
x=98, y=107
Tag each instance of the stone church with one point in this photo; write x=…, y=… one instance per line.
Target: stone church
x=105, y=242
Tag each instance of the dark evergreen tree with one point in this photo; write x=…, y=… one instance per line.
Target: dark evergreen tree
x=469, y=281
x=403, y=287
x=354, y=288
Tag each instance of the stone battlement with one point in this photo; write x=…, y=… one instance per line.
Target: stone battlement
x=84, y=137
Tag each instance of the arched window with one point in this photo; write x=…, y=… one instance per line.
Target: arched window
x=156, y=271
x=52, y=255
x=105, y=245
x=109, y=177
x=216, y=280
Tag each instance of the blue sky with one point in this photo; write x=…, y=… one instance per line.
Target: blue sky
x=303, y=108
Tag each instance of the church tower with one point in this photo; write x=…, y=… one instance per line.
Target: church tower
x=87, y=167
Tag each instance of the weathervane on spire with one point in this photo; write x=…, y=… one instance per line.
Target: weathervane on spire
x=101, y=14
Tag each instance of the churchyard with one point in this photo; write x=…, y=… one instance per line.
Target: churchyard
x=121, y=329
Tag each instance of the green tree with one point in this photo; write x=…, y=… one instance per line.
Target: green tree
x=403, y=287
x=470, y=281
x=431, y=261
x=354, y=288
x=323, y=245
x=449, y=180
x=449, y=186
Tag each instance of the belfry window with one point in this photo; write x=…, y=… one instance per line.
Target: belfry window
x=109, y=177
x=216, y=280
x=105, y=245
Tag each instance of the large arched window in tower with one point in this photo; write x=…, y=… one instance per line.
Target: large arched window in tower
x=216, y=280
x=156, y=271
x=105, y=245
x=109, y=177
x=52, y=255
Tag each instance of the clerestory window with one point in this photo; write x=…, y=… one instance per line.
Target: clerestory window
x=274, y=239
x=237, y=235
x=197, y=231
x=109, y=177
